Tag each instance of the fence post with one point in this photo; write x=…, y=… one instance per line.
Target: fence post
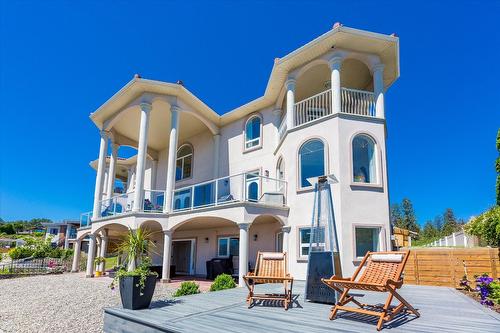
x=417, y=278
x=493, y=262
x=452, y=268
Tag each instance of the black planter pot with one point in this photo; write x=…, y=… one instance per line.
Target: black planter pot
x=131, y=294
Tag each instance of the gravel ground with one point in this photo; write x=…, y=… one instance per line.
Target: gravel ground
x=59, y=303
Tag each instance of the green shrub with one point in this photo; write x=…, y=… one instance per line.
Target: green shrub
x=486, y=226
x=20, y=252
x=223, y=281
x=187, y=288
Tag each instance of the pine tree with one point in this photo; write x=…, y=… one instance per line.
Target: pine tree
x=397, y=216
x=450, y=224
x=429, y=232
x=409, y=219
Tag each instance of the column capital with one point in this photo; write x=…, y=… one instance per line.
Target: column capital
x=290, y=83
x=335, y=62
x=175, y=108
x=146, y=107
x=92, y=236
x=168, y=232
x=104, y=134
x=378, y=68
x=286, y=229
x=244, y=226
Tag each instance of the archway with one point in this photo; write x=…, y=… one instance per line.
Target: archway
x=265, y=234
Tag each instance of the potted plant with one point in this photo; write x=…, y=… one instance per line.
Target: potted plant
x=137, y=282
x=98, y=261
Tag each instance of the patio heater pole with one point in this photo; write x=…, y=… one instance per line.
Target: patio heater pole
x=324, y=252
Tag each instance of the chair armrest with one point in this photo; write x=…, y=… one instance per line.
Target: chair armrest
x=396, y=284
x=339, y=278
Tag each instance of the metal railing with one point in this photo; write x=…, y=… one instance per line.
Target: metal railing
x=244, y=187
x=153, y=201
x=85, y=219
x=30, y=266
x=312, y=108
x=118, y=204
x=353, y=101
x=358, y=102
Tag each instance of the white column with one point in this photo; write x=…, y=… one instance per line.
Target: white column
x=104, y=248
x=454, y=239
x=99, y=181
x=335, y=65
x=66, y=237
x=243, y=255
x=76, y=256
x=465, y=240
x=141, y=157
x=91, y=256
x=216, y=155
x=286, y=235
x=172, y=155
x=290, y=102
x=378, y=89
x=112, y=171
x=167, y=245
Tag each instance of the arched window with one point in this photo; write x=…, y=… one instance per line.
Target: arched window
x=363, y=159
x=184, y=162
x=253, y=132
x=311, y=161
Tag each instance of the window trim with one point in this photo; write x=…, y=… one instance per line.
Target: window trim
x=298, y=163
x=192, y=161
x=260, y=138
x=378, y=163
x=300, y=257
x=228, y=244
x=382, y=243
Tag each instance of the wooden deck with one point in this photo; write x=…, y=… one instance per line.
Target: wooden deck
x=442, y=309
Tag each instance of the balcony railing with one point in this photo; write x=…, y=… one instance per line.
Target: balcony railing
x=245, y=187
x=353, y=101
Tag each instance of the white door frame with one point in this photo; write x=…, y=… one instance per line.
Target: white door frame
x=192, y=256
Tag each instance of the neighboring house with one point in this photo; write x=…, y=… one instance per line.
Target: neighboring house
x=62, y=234
x=230, y=185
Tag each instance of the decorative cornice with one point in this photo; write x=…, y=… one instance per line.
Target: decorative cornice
x=146, y=107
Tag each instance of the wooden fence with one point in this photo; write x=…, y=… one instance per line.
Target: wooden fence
x=447, y=266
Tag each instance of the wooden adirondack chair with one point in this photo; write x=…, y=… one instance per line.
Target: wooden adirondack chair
x=383, y=274
x=271, y=267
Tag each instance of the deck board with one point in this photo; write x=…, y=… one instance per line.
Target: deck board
x=442, y=310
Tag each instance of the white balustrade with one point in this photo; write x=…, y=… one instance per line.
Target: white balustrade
x=312, y=108
x=358, y=102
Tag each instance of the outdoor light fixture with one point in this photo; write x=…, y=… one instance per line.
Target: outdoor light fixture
x=255, y=237
x=206, y=239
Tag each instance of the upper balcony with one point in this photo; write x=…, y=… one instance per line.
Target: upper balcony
x=217, y=193
x=352, y=86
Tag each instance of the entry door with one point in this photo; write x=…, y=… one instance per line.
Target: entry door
x=181, y=256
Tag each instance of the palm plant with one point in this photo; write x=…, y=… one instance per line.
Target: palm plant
x=135, y=244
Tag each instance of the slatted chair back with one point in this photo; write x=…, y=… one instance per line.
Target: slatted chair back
x=383, y=266
x=271, y=264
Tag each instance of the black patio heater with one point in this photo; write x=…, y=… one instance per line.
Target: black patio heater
x=324, y=256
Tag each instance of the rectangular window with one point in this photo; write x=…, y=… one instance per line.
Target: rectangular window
x=228, y=246
x=305, y=240
x=367, y=240
x=53, y=231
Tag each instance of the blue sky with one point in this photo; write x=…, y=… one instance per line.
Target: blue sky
x=59, y=60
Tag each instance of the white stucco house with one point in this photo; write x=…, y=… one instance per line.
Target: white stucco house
x=212, y=185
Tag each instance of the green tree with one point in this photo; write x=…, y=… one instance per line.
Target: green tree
x=397, y=216
x=429, y=232
x=409, y=218
x=486, y=226
x=438, y=225
x=450, y=224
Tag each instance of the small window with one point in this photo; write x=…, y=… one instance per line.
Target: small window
x=305, y=241
x=280, y=174
x=253, y=132
x=367, y=240
x=311, y=161
x=53, y=231
x=184, y=162
x=363, y=159
x=228, y=246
